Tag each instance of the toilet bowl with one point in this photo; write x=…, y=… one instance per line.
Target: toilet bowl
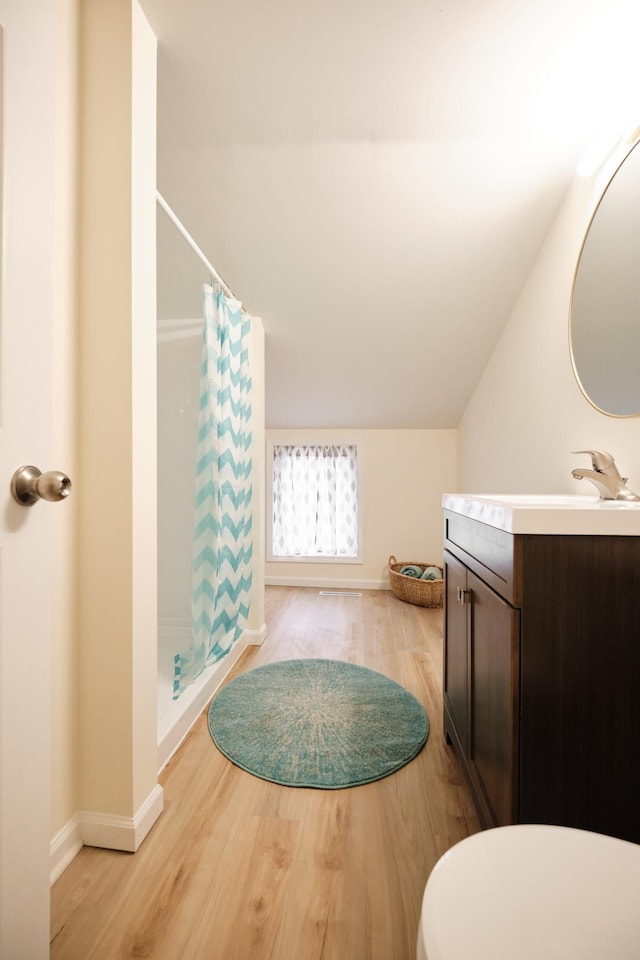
x=533, y=892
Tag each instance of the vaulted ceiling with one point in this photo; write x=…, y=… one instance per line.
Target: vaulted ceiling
x=374, y=178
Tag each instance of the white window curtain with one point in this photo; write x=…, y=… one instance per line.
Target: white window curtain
x=315, y=501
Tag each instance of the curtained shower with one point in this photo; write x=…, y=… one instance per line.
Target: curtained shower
x=222, y=547
x=209, y=482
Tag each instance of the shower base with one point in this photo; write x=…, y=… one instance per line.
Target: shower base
x=176, y=717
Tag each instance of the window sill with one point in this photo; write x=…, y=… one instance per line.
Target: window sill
x=319, y=559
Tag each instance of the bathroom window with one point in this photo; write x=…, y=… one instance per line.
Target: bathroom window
x=314, y=498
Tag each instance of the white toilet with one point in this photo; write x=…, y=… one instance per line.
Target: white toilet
x=533, y=892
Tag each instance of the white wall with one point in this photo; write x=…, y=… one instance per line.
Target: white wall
x=528, y=413
x=103, y=682
x=116, y=489
x=404, y=474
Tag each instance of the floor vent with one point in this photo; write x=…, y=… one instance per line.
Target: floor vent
x=339, y=593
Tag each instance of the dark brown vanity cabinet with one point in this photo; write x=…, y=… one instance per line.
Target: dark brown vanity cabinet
x=482, y=688
x=541, y=668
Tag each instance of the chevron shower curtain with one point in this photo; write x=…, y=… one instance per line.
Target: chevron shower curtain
x=222, y=558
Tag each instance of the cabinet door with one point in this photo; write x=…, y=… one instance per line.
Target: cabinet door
x=494, y=668
x=456, y=652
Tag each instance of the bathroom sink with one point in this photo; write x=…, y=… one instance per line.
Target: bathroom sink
x=539, y=499
x=549, y=513
x=553, y=500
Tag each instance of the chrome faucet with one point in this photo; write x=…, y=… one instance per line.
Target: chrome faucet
x=611, y=486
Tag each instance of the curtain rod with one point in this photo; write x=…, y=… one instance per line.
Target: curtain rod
x=194, y=246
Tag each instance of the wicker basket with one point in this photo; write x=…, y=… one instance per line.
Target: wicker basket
x=424, y=593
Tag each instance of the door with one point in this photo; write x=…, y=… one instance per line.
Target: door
x=494, y=695
x=26, y=309
x=456, y=630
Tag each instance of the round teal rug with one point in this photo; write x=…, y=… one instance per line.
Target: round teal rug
x=317, y=723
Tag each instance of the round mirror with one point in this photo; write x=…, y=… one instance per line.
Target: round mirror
x=605, y=304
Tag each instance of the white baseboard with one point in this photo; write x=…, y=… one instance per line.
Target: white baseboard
x=64, y=847
x=90, y=829
x=327, y=583
x=112, y=832
x=255, y=638
x=122, y=833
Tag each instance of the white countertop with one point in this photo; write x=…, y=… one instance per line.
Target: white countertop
x=548, y=513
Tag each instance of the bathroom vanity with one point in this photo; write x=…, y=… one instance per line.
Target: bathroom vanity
x=542, y=658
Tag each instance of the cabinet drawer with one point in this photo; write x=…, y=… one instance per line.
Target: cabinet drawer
x=492, y=554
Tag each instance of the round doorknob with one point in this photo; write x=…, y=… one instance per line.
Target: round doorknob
x=29, y=484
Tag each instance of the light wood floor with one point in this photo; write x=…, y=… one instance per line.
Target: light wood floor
x=240, y=869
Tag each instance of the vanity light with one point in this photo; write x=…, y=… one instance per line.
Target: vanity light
x=632, y=133
x=604, y=147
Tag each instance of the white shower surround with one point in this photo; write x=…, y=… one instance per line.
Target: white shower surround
x=179, y=358
x=176, y=717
